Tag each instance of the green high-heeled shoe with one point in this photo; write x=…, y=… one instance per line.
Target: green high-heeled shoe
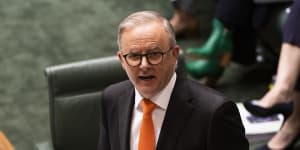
x=207, y=69
x=219, y=42
x=213, y=57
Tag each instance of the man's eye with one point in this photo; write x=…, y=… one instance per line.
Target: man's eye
x=154, y=54
x=134, y=56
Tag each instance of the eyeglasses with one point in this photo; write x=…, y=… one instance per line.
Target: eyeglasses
x=153, y=58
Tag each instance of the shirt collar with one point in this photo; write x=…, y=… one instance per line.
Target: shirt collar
x=162, y=98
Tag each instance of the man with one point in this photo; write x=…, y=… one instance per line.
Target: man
x=186, y=115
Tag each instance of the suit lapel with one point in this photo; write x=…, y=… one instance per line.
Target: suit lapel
x=125, y=115
x=178, y=112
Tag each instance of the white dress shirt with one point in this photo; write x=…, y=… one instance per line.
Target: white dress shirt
x=161, y=100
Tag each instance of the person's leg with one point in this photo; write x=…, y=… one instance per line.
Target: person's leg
x=185, y=18
x=287, y=74
x=289, y=63
x=291, y=128
x=287, y=78
x=231, y=16
x=243, y=23
x=235, y=13
x=232, y=31
x=244, y=44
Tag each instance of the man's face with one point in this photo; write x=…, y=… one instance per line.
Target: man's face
x=148, y=79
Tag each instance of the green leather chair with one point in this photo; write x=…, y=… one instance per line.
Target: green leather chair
x=74, y=96
x=74, y=100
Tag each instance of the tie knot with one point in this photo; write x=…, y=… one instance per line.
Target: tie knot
x=147, y=106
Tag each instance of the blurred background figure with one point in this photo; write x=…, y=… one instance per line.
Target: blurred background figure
x=185, y=20
x=233, y=37
x=286, y=87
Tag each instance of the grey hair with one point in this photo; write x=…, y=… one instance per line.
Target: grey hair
x=145, y=17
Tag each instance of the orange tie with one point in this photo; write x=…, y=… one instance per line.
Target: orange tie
x=147, y=133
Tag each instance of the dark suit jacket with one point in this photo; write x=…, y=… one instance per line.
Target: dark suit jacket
x=197, y=118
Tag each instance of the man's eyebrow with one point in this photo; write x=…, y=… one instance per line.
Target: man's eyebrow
x=155, y=49
x=135, y=51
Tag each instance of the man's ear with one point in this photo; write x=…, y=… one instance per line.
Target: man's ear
x=119, y=54
x=176, y=51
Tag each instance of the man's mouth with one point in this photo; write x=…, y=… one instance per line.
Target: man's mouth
x=146, y=78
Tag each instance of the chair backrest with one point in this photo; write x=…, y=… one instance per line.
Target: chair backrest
x=74, y=94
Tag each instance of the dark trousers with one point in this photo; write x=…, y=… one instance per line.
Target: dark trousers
x=248, y=19
x=245, y=19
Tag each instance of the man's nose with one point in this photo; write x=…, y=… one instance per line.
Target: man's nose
x=144, y=62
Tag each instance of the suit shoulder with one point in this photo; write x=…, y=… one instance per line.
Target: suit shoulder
x=206, y=95
x=119, y=87
x=115, y=90
x=202, y=90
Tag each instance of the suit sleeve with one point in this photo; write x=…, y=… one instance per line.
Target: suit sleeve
x=226, y=129
x=103, y=143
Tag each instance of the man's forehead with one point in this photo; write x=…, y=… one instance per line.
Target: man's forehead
x=147, y=39
x=151, y=27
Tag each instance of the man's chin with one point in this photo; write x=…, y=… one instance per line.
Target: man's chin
x=147, y=92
